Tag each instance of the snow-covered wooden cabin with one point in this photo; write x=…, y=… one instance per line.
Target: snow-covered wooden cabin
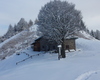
x=42, y=44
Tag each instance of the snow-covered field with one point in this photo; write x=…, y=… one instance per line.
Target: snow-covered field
x=83, y=64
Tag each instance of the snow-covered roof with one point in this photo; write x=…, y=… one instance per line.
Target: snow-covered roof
x=71, y=37
x=36, y=40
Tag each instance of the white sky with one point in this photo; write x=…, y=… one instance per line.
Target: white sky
x=12, y=10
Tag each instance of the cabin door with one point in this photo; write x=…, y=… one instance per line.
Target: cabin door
x=37, y=47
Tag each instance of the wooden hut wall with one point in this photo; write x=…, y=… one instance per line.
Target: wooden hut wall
x=47, y=45
x=43, y=44
x=37, y=46
x=70, y=43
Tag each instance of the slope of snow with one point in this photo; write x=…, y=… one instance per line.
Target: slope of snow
x=13, y=37
x=18, y=42
x=83, y=34
x=83, y=64
x=31, y=29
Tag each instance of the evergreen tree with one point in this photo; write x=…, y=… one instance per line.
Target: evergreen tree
x=97, y=34
x=22, y=25
x=30, y=23
x=15, y=28
x=83, y=27
x=10, y=32
x=92, y=33
x=36, y=21
x=87, y=30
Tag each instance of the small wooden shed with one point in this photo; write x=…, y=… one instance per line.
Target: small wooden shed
x=42, y=44
x=70, y=43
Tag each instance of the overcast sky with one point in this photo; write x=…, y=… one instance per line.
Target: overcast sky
x=12, y=10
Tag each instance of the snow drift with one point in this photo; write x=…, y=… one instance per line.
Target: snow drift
x=82, y=64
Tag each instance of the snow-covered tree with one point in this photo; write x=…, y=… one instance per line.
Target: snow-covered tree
x=30, y=23
x=97, y=34
x=58, y=19
x=10, y=32
x=36, y=21
x=87, y=30
x=83, y=27
x=92, y=33
x=15, y=26
x=22, y=25
x=1, y=39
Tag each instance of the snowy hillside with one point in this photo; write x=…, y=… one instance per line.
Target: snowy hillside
x=18, y=42
x=83, y=64
x=23, y=39
x=85, y=35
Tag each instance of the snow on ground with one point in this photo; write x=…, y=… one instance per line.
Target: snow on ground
x=83, y=64
x=13, y=37
x=85, y=35
x=33, y=28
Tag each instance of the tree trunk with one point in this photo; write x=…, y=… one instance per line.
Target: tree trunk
x=63, y=50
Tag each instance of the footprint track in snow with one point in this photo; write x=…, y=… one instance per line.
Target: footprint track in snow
x=87, y=75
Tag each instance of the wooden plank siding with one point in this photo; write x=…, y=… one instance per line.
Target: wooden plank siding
x=37, y=46
x=70, y=44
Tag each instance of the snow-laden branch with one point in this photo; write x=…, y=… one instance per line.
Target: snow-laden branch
x=59, y=19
